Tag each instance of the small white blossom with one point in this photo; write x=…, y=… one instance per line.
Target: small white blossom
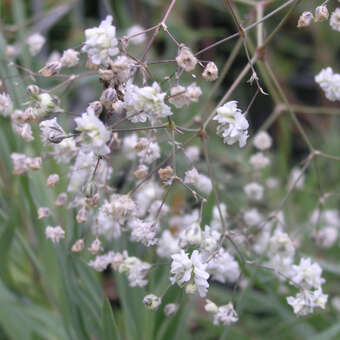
x=233, y=126
x=152, y=301
x=6, y=105
x=190, y=236
x=252, y=217
x=329, y=81
x=259, y=161
x=210, y=72
x=148, y=150
x=43, y=212
x=262, y=141
x=226, y=315
x=308, y=274
x=305, y=19
x=200, y=274
x=170, y=309
x=52, y=180
x=94, y=135
x=178, y=96
x=200, y=181
x=192, y=153
x=254, y=191
x=70, y=58
x=55, y=234
x=326, y=237
x=335, y=20
x=20, y=165
x=101, y=42
x=101, y=262
x=168, y=245
x=120, y=207
x=136, y=270
x=136, y=29
x=185, y=59
x=210, y=306
x=144, y=232
x=35, y=43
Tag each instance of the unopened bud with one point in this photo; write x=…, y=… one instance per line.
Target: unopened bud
x=82, y=215
x=95, y=247
x=210, y=72
x=52, y=180
x=33, y=91
x=305, y=19
x=105, y=74
x=170, y=309
x=97, y=107
x=190, y=288
x=50, y=69
x=141, y=172
x=43, y=212
x=152, y=301
x=185, y=59
x=61, y=200
x=78, y=246
x=34, y=163
x=321, y=13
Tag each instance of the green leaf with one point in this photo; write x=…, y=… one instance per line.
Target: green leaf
x=110, y=330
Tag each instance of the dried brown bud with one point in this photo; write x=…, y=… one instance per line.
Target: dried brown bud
x=210, y=72
x=165, y=173
x=50, y=69
x=185, y=59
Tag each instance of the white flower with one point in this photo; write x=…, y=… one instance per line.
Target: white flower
x=326, y=237
x=122, y=68
x=181, y=268
x=190, y=236
x=262, y=141
x=20, y=165
x=6, y=105
x=52, y=180
x=200, y=181
x=120, y=207
x=259, y=161
x=101, y=42
x=223, y=267
x=65, y=150
x=54, y=233
x=308, y=274
x=335, y=20
x=329, y=82
x=128, y=146
x=35, y=43
x=51, y=131
x=210, y=306
x=144, y=232
x=101, y=262
x=192, y=153
x=280, y=243
x=144, y=103
x=193, y=92
x=24, y=131
x=210, y=72
x=140, y=38
x=152, y=301
x=178, y=96
x=200, y=274
x=226, y=315
x=136, y=270
x=185, y=59
x=94, y=135
x=167, y=245
x=105, y=225
x=148, y=150
x=233, y=126
x=306, y=300
x=210, y=241
x=252, y=217
x=70, y=58
x=170, y=309
x=254, y=191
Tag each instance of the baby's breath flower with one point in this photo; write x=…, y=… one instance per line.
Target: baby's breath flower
x=192, y=153
x=233, y=126
x=34, y=163
x=43, y=212
x=61, y=199
x=52, y=180
x=170, y=309
x=20, y=165
x=93, y=133
x=305, y=19
x=140, y=38
x=95, y=246
x=262, y=141
x=136, y=270
x=259, y=161
x=335, y=20
x=101, y=42
x=226, y=315
x=6, y=105
x=55, y=234
x=51, y=131
x=329, y=81
x=321, y=13
x=254, y=191
x=141, y=171
x=152, y=301
x=185, y=59
x=78, y=246
x=144, y=232
x=70, y=58
x=200, y=181
x=210, y=306
x=35, y=43
x=210, y=72
x=148, y=150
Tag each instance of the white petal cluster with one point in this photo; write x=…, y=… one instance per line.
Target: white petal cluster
x=136, y=271
x=35, y=43
x=152, y=301
x=55, y=234
x=69, y=58
x=144, y=232
x=192, y=153
x=65, y=151
x=308, y=274
x=200, y=181
x=335, y=20
x=190, y=271
x=6, y=105
x=93, y=133
x=252, y=217
x=216, y=222
x=136, y=29
x=145, y=103
x=259, y=161
x=329, y=82
x=190, y=235
x=168, y=245
x=182, y=96
x=120, y=207
x=105, y=225
x=262, y=141
x=233, y=126
x=306, y=300
x=101, y=42
x=148, y=150
x=254, y=191
x=101, y=262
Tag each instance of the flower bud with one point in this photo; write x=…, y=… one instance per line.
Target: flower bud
x=61, y=200
x=105, y=74
x=152, y=301
x=190, y=288
x=321, y=13
x=52, y=180
x=305, y=19
x=170, y=309
x=34, y=163
x=210, y=72
x=33, y=91
x=78, y=246
x=210, y=307
x=185, y=59
x=191, y=235
x=50, y=69
x=141, y=172
x=82, y=215
x=43, y=212
x=165, y=173
x=97, y=107
x=95, y=247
